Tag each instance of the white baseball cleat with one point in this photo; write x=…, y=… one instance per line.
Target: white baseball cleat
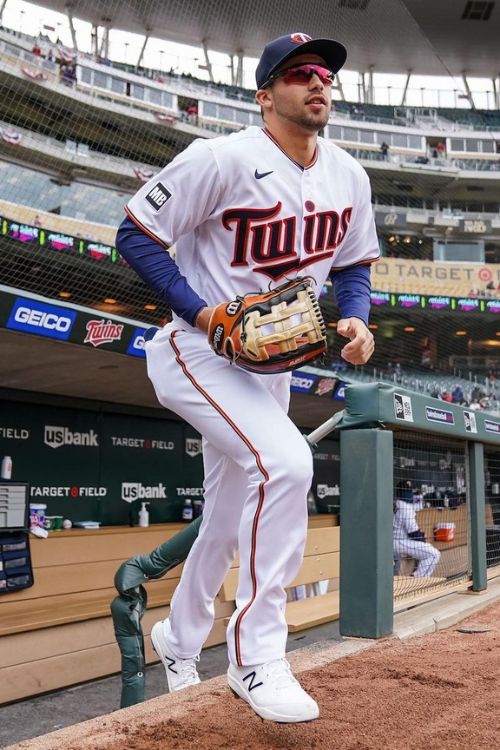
x=181, y=673
x=273, y=692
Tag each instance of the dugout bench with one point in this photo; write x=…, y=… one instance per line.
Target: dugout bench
x=59, y=632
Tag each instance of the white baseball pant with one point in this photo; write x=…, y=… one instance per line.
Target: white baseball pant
x=427, y=555
x=258, y=470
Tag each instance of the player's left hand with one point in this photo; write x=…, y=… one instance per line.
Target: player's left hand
x=361, y=345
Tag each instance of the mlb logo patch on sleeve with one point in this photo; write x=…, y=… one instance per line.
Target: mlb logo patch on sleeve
x=158, y=196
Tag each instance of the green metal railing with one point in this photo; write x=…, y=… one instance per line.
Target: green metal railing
x=374, y=416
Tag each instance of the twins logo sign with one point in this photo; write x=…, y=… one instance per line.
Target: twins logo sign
x=402, y=407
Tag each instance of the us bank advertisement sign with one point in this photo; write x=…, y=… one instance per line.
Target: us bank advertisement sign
x=97, y=466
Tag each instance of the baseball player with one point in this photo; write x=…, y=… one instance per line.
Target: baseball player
x=409, y=539
x=248, y=211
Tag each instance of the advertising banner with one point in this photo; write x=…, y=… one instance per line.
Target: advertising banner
x=60, y=320
x=91, y=465
x=449, y=278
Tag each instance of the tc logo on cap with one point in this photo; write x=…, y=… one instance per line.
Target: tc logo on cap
x=300, y=38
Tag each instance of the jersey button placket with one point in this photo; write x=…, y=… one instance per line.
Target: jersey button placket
x=307, y=206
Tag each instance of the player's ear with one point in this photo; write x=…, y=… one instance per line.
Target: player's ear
x=264, y=99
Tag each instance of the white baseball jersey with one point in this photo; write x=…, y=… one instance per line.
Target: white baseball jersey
x=244, y=215
x=404, y=523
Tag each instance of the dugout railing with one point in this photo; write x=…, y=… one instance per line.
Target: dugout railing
x=443, y=460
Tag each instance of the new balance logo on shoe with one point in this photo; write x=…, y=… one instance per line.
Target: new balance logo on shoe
x=170, y=663
x=251, y=685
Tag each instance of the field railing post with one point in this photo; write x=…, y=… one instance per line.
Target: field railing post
x=366, y=548
x=477, y=516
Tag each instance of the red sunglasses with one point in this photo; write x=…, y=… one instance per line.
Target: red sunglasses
x=302, y=74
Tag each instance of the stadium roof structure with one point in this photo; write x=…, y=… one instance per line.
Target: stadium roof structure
x=387, y=36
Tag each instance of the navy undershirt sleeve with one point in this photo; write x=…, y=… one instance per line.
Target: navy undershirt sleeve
x=152, y=262
x=352, y=288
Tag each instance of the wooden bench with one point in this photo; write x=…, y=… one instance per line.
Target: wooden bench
x=321, y=562
x=60, y=632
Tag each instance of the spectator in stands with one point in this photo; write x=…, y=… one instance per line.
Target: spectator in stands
x=36, y=50
x=457, y=395
x=441, y=147
x=445, y=396
x=476, y=394
x=384, y=150
x=426, y=360
x=67, y=72
x=484, y=402
x=408, y=538
x=192, y=112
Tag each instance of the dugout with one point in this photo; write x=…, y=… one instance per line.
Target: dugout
x=86, y=444
x=410, y=437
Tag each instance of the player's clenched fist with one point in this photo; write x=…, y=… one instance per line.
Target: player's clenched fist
x=360, y=348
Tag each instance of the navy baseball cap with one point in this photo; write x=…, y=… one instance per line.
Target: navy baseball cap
x=285, y=47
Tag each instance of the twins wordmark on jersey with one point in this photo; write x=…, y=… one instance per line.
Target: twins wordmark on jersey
x=272, y=245
x=243, y=213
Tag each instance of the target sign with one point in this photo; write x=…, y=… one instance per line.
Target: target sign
x=485, y=274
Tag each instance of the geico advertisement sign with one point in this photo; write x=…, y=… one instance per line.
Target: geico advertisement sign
x=136, y=346
x=137, y=491
x=41, y=318
x=56, y=437
x=301, y=383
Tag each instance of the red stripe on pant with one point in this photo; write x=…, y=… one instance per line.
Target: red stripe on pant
x=261, y=489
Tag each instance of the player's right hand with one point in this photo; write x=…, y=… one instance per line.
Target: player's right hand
x=360, y=348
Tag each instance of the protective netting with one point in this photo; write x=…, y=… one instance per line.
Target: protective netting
x=80, y=132
x=430, y=527
x=492, y=519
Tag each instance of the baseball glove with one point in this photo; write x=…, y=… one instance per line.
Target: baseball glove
x=271, y=332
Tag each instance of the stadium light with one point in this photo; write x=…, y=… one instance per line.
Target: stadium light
x=460, y=333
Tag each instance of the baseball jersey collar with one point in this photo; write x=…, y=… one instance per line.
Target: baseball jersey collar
x=300, y=166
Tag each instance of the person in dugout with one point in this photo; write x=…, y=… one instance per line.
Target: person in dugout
x=409, y=539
